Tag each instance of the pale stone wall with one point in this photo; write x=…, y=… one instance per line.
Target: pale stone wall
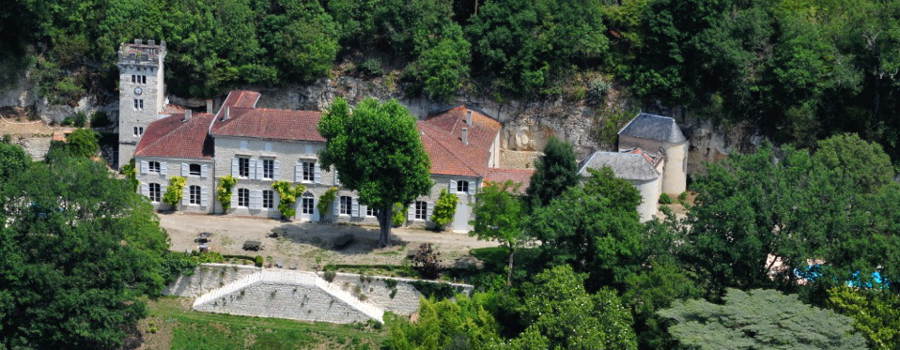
x=649, y=191
x=207, y=277
x=675, y=171
x=152, y=93
x=403, y=298
x=285, y=300
x=173, y=168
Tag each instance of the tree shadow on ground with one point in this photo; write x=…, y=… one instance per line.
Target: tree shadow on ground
x=328, y=237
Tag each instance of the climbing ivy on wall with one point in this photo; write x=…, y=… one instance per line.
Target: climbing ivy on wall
x=325, y=201
x=287, y=197
x=444, y=210
x=175, y=191
x=223, y=191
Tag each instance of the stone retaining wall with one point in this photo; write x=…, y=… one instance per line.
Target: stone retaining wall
x=207, y=277
x=397, y=295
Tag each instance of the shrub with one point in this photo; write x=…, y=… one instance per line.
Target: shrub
x=329, y=276
x=130, y=175
x=399, y=215
x=597, y=90
x=665, y=199
x=287, y=197
x=175, y=192
x=427, y=261
x=683, y=196
x=223, y=191
x=83, y=143
x=326, y=200
x=444, y=210
x=258, y=261
x=371, y=67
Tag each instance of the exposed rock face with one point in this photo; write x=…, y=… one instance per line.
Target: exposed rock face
x=527, y=125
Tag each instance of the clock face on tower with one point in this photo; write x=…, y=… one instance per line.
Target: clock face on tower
x=138, y=91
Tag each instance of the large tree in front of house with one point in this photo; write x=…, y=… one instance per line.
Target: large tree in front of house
x=378, y=153
x=556, y=171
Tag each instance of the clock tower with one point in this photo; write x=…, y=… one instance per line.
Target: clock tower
x=142, y=92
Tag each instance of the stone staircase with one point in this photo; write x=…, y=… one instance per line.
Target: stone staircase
x=274, y=280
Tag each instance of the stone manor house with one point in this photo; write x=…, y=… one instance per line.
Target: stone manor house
x=259, y=146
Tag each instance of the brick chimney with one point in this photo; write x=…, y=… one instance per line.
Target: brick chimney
x=468, y=117
x=464, y=135
x=209, y=106
x=227, y=113
x=187, y=115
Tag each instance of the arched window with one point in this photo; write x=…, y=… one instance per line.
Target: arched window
x=307, y=204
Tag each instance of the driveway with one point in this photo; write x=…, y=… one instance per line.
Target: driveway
x=306, y=245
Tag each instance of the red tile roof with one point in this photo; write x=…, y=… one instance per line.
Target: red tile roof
x=172, y=109
x=172, y=137
x=278, y=124
x=522, y=176
x=240, y=99
x=442, y=137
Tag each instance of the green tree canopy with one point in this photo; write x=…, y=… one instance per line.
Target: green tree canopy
x=875, y=313
x=556, y=171
x=463, y=323
x=760, y=319
x=78, y=250
x=13, y=160
x=377, y=151
x=585, y=228
x=500, y=216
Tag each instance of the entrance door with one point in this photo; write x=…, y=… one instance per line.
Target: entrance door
x=307, y=208
x=462, y=216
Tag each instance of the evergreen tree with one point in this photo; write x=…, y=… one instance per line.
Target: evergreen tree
x=556, y=171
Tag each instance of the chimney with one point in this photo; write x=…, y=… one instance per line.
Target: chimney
x=187, y=115
x=138, y=41
x=151, y=42
x=227, y=113
x=468, y=117
x=209, y=106
x=465, y=136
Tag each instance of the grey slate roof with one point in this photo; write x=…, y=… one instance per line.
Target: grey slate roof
x=654, y=127
x=628, y=166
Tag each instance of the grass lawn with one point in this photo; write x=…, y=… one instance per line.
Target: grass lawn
x=173, y=325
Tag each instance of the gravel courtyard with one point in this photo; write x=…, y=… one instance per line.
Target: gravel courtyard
x=306, y=245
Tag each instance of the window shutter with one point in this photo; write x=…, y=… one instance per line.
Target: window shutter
x=259, y=169
x=337, y=179
x=145, y=190
x=428, y=207
x=204, y=196
x=354, y=208
x=452, y=186
x=472, y=187
x=234, y=197
x=145, y=167
x=184, y=169
x=162, y=191
x=298, y=172
x=336, y=206
x=234, y=167
x=186, y=195
x=315, y=216
x=275, y=169
x=253, y=173
x=204, y=170
x=411, y=212
x=317, y=173
x=164, y=168
x=275, y=199
x=363, y=210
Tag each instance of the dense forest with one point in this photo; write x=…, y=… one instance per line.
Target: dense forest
x=800, y=70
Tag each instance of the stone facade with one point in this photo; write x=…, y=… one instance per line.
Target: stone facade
x=167, y=168
x=141, y=92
